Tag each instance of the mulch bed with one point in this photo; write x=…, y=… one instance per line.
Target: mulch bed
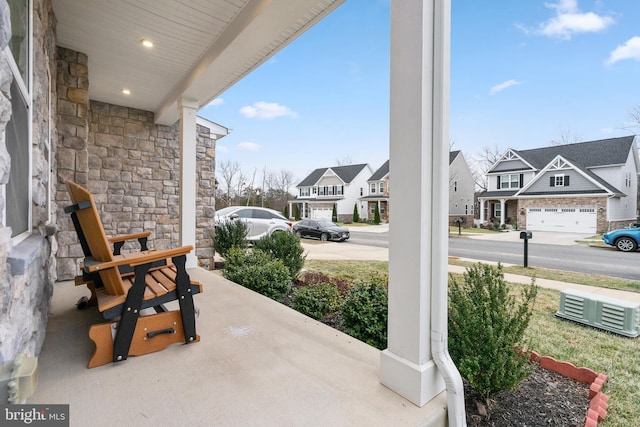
x=545, y=398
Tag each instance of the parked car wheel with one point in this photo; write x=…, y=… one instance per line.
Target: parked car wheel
x=299, y=234
x=324, y=237
x=626, y=244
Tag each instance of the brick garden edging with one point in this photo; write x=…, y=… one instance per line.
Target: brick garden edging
x=598, y=401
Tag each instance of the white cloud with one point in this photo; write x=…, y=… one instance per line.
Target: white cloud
x=267, y=110
x=221, y=149
x=569, y=20
x=629, y=50
x=217, y=101
x=248, y=146
x=502, y=86
x=607, y=130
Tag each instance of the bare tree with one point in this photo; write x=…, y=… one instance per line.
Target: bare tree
x=241, y=183
x=634, y=116
x=251, y=187
x=284, y=180
x=344, y=161
x=566, y=137
x=481, y=163
x=228, y=171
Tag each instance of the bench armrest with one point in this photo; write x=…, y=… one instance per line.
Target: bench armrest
x=134, y=259
x=118, y=241
x=126, y=237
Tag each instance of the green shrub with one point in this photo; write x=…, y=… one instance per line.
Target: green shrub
x=485, y=326
x=229, y=234
x=356, y=215
x=258, y=271
x=296, y=212
x=376, y=215
x=316, y=301
x=334, y=214
x=364, y=313
x=286, y=247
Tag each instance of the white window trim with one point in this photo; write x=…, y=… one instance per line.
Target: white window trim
x=509, y=181
x=27, y=96
x=559, y=180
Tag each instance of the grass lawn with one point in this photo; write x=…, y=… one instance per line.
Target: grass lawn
x=604, y=352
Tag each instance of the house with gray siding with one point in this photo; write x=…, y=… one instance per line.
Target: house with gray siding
x=377, y=194
x=587, y=187
x=461, y=191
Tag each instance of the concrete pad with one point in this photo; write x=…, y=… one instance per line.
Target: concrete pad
x=258, y=363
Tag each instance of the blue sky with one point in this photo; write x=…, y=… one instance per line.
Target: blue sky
x=523, y=73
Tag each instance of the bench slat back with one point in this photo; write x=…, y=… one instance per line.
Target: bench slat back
x=93, y=230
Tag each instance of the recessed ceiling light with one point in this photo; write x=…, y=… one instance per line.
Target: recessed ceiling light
x=147, y=43
x=126, y=91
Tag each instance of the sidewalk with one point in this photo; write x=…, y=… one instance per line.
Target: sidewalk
x=340, y=251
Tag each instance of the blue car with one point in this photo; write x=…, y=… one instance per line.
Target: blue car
x=625, y=239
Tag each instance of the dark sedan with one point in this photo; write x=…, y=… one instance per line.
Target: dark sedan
x=322, y=229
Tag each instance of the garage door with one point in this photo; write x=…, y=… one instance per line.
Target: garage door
x=570, y=220
x=322, y=213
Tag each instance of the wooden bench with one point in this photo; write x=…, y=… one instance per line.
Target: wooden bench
x=122, y=285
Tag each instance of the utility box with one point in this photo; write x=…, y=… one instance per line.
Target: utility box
x=18, y=379
x=526, y=235
x=610, y=314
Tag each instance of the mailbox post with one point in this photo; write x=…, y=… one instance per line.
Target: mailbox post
x=526, y=235
x=459, y=222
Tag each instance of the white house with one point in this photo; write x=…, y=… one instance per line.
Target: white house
x=339, y=186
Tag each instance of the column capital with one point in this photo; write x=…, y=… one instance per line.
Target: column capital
x=188, y=103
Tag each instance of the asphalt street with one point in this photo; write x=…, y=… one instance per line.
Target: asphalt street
x=560, y=251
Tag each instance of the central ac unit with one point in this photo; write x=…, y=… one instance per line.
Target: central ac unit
x=613, y=315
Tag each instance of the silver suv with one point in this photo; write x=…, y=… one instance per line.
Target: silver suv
x=260, y=221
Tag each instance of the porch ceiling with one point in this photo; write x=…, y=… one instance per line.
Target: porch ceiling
x=199, y=50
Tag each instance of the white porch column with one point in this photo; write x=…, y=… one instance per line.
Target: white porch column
x=502, y=211
x=481, y=211
x=419, y=147
x=188, y=184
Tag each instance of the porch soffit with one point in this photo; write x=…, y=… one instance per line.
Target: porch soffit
x=199, y=51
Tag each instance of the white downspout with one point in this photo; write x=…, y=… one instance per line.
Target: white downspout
x=439, y=289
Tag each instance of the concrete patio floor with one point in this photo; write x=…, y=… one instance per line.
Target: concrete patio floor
x=258, y=363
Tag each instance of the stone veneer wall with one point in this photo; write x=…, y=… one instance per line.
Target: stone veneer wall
x=205, y=197
x=27, y=269
x=130, y=164
x=600, y=204
x=72, y=153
